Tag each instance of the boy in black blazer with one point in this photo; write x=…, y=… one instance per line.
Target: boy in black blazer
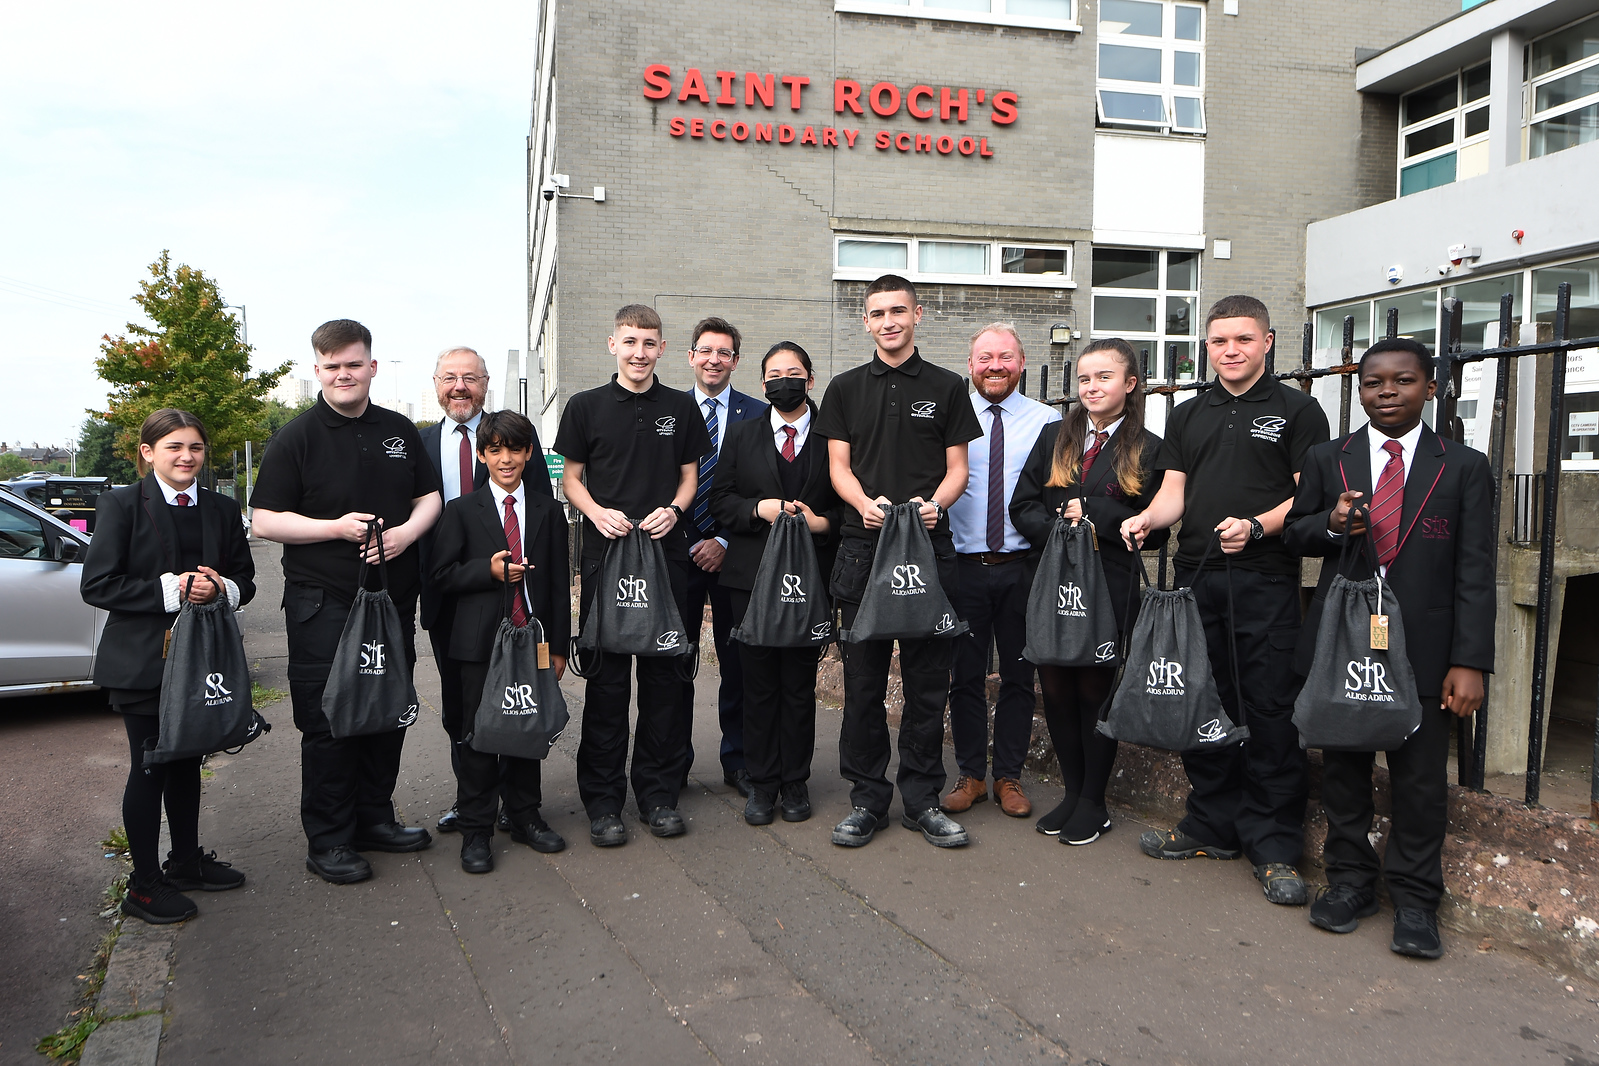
x=1429, y=522
x=504, y=531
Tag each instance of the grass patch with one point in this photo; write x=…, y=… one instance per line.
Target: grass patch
x=260, y=695
x=66, y=1043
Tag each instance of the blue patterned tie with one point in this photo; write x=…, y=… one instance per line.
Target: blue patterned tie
x=702, y=495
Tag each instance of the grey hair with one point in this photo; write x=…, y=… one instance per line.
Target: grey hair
x=446, y=353
x=1000, y=327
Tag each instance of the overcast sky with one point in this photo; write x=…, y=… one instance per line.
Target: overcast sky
x=319, y=160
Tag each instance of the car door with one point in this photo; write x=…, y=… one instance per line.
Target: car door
x=47, y=632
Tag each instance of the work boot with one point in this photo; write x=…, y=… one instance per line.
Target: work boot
x=1282, y=883
x=1175, y=845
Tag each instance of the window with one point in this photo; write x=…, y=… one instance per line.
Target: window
x=1443, y=133
x=954, y=261
x=1563, y=89
x=21, y=534
x=1151, y=65
x=1150, y=298
x=1041, y=14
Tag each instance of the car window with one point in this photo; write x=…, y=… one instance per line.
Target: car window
x=21, y=534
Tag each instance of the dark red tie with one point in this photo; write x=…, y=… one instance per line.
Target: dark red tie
x=996, y=481
x=465, y=459
x=182, y=499
x=1386, y=504
x=1093, y=452
x=788, y=444
x=513, y=540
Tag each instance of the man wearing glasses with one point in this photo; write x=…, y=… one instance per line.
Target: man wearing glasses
x=713, y=356
x=461, y=379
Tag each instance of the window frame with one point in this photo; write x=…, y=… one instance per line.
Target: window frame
x=1158, y=338
x=930, y=9
x=1168, y=44
x=1536, y=118
x=993, y=276
x=1455, y=115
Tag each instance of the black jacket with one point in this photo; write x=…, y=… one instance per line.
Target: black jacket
x=536, y=477
x=471, y=532
x=1034, y=505
x=1443, y=575
x=746, y=474
x=135, y=541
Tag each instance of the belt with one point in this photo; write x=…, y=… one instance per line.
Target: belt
x=995, y=558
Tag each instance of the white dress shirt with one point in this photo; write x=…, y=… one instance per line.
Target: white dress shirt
x=450, y=454
x=171, y=588
x=802, y=429
x=1379, y=459
x=520, y=508
x=1024, y=420
x=1110, y=431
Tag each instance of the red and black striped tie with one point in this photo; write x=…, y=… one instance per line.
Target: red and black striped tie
x=1386, y=503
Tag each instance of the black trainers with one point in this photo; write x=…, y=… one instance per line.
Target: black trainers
x=202, y=873
x=1050, y=823
x=1416, y=934
x=858, y=828
x=1282, y=883
x=936, y=827
x=155, y=900
x=1087, y=824
x=1175, y=845
x=1339, y=908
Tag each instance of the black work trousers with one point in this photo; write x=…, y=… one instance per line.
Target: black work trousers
x=779, y=710
x=176, y=784
x=1251, y=795
x=344, y=784
x=703, y=588
x=450, y=705
x=659, y=743
x=992, y=600
x=481, y=778
x=1418, y=776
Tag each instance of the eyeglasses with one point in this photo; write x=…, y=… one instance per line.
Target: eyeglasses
x=725, y=353
x=468, y=380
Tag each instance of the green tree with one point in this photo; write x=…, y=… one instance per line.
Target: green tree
x=192, y=358
x=13, y=465
x=97, y=453
x=279, y=414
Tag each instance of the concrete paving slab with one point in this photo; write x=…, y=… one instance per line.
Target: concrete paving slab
x=130, y=1042
x=136, y=978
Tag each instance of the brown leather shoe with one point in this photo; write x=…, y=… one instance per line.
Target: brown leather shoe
x=967, y=791
x=1008, y=792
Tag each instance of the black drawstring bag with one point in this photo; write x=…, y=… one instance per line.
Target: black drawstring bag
x=1357, y=696
x=1070, y=620
x=205, y=685
x=633, y=611
x=1166, y=696
x=369, y=688
x=788, y=603
x=523, y=711
x=904, y=599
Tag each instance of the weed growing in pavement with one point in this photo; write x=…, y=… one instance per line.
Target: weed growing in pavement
x=116, y=840
x=66, y=1043
x=260, y=695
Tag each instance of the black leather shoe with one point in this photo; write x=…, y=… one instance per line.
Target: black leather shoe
x=392, y=837
x=796, y=802
x=759, y=809
x=1416, y=934
x=449, y=821
x=739, y=781
x=339, y=865
x=938, y=828
x=607, y=831
x=665, y=822
x=1339, y=908
x=503, y=822
x=539, y=836
x=476, y=855
x=858, y=828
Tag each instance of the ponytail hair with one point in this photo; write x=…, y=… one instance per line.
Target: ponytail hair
x=1127, y=447
x=163, y=423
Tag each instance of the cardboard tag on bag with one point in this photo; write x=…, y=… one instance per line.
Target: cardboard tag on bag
x=166, y=643
x=544, y=656
x=1379, y=632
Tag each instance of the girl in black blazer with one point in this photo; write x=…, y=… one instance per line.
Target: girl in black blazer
x=770, y=463
x=150, y=539
x=1099, y=460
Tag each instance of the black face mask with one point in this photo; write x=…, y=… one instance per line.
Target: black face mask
x=785, y=394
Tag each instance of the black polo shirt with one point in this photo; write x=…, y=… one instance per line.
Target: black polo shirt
x=1240, y=455
x=324, y=465
x=897, y=421
x=632, y=446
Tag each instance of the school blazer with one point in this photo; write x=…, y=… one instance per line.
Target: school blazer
x=746, y=474
x=1443, y=575
x=1033, y=505
x=135, y=541
x=469, y=534
x=536, y=477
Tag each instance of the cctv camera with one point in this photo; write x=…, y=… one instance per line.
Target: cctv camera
x=549, y=192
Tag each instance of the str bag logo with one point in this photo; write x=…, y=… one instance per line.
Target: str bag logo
x=519, y=700
x=792, y=591
x=666, y=425
x=373, y=658
x=1164, y=678
x=1268, y=427
x=906, y=580
x=924, y=409
x=632, y=592
x=1367, y=680
x=216, y=692
x=1069, y=601
x=395, y=446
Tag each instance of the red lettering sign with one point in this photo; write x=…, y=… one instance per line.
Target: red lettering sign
x=758, y=85
x=918, y=92
x=657, y=81
x=846, y=93
x=1004, y=108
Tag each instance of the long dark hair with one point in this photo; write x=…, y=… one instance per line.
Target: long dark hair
x=1126, y=449
x=163, y=423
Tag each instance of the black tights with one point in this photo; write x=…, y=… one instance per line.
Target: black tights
x=1072, y=699
x=176, y=782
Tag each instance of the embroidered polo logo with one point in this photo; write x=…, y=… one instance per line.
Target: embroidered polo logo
x=1268, y=427
x=666, y=425
x=395, y=446
x=924, y=409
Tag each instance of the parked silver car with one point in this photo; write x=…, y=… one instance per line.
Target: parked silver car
x=48, y=635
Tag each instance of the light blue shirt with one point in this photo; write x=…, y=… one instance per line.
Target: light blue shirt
x=1024, y=420
x=450, y=454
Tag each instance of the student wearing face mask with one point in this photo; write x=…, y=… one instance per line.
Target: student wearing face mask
x=769, y=464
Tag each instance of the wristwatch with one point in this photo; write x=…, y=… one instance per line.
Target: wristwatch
x=677, y=509
x=1256, y=530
